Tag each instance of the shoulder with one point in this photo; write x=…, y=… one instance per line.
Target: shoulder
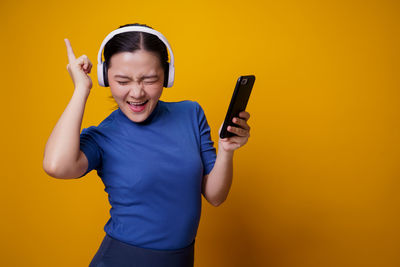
x=186, y=106
x=102, y=127
x=180, y=104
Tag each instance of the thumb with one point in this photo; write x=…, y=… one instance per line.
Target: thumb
x=220, y=128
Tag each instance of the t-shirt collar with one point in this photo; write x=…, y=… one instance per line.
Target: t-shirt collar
x=148, y=120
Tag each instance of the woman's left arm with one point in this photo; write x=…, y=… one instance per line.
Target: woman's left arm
x=217, y=183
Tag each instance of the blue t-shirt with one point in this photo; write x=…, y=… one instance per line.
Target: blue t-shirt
x=152, y=172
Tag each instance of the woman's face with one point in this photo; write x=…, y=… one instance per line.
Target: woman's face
x=135, y=78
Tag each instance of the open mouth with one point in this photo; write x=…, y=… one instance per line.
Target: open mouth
x=137, y=106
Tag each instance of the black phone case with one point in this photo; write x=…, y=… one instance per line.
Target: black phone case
x=239, y=101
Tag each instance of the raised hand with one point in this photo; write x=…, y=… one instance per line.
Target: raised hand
x=78, y=69
x=232, y=143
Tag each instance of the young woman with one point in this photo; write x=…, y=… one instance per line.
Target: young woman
x=155, y=158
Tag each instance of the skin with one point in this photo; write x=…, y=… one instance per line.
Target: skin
x=143, y=80
x=63, y=158
x=216, y=185
x=138, y=86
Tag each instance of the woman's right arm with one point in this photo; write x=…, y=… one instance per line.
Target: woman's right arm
x=62, y=155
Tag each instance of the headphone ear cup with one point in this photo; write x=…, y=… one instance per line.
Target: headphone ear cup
x=105, y=74
x=166, y=78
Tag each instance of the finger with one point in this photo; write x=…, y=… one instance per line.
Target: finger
x=70, y=52
x=245, y=115
x=89, y=63
x=236, y=140
x=86, y=64
x=89, y=69
x=86, y=61
x=231, y=139
x=82, y=62
x=238, y=131
x=241, y=122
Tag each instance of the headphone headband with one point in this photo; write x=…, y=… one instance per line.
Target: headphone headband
x=100, y=67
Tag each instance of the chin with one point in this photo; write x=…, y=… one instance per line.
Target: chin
x=137, y=117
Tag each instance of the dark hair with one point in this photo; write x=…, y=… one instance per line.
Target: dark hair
x=132, y=41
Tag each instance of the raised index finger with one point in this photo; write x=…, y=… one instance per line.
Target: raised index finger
x=70, y=52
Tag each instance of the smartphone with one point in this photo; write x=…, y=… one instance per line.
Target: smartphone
x=239, y=100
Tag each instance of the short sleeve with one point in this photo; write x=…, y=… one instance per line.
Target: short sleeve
x=89, y=146
x=208, y=151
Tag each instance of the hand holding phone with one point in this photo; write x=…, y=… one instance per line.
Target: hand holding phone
x=238, y=103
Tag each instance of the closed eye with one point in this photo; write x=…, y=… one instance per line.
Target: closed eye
x=146, y=82
x=150, y=82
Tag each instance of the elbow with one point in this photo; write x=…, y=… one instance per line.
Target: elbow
x=214, y=201
x=51, y=169
x=217, y=203
x=50, y=173
x=48, y=167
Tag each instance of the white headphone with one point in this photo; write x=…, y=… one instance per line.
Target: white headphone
x=102, y=68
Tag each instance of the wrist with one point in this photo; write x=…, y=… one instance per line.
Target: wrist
x=225, y=154
x=81, y=91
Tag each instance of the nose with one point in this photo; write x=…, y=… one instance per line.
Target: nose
x=137, y=90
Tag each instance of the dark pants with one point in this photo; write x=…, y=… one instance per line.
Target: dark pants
x=115, y=253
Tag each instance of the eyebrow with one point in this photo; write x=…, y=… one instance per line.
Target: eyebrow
x=143, y=77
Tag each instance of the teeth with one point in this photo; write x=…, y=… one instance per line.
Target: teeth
x=137, y=104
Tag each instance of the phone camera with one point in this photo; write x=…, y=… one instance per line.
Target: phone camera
x=244, y=81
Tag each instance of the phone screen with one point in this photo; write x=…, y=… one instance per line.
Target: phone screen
x=238, y=103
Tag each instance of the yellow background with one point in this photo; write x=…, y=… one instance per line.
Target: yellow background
x=316, y=185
